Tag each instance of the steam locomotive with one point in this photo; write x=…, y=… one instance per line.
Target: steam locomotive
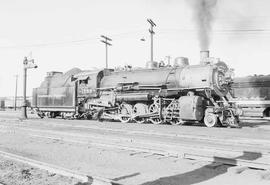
x=252, y=95
x=176, y=94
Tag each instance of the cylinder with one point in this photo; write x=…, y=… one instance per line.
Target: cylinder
x=204, y=55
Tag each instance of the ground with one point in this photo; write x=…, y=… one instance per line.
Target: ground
x=84, y=146
x=15, y=173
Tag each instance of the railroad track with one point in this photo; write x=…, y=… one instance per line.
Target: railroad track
x=122, y=139
x=253, y=159
x=226, y=140
x=234, y=144
x=90, y=179
x=205, y=136
x=237, y=140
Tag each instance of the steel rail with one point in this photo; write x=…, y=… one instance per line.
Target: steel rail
x=225, y=156
x=200, y=155
x=259, y=144
x=237, y=140
x=127, y=141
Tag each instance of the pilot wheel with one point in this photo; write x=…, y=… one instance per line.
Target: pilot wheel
x=210, y=120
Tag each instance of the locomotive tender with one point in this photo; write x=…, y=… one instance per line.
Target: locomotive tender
x=252, y=95
x=176, y=94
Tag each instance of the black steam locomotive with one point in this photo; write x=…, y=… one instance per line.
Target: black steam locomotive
x=158, y=94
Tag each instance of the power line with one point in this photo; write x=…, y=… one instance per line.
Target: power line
x=48, y=44
x=218, y=30
x=131, y=34
x=119, y=35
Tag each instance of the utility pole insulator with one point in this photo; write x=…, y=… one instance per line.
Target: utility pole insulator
x=151, y=31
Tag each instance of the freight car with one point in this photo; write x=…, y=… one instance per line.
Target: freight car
x=252, y=95
x=9, y=102
x=158, y=94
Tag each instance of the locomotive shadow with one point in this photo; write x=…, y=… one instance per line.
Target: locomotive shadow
x=204, y=173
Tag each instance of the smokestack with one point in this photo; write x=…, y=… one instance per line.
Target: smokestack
x=204, y=55
x=203, y=15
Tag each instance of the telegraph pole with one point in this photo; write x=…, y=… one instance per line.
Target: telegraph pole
x=27, y=64
x=15, y=98
x=106, y=42
x=24, y=104
x=151, y=31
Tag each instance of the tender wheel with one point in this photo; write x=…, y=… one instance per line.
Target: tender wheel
x=52, y=115
x=140, y=109
x=63, y=115
x=177, y=121
x=210, y=120
x=125, y=111
x=154, y=109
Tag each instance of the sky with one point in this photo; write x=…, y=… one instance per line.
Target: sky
x=62, y=34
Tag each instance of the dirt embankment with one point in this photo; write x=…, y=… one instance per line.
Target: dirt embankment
x=14, y=173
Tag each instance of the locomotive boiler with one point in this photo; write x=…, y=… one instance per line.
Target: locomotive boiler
x=176, y=94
